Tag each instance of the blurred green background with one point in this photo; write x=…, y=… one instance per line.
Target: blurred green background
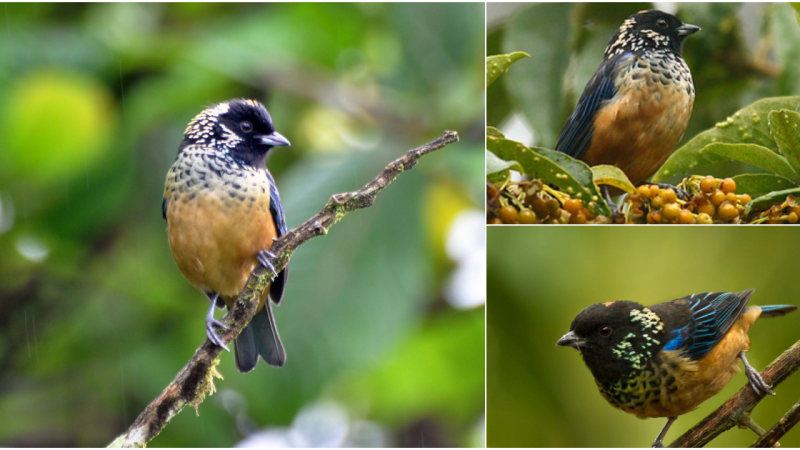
x=744, y=52
x=384, y=348
x=539, y=278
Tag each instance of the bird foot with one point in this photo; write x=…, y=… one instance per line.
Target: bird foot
x=263, y=258
x=211, y=323
x=756, y=382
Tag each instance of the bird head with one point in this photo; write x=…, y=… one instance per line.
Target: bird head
x=241, y=128
x=650, y=30
x=615, y=339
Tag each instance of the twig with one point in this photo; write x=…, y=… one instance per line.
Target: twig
x=195, y=380
x=736, y=411
x=770, y=438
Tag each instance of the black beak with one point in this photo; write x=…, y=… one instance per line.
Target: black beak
x=275, y=140
x=571, y=340
x=687, y=29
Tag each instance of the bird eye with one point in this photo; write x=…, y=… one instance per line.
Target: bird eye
x=605, y=331
x=246, y=126
x=661, y=23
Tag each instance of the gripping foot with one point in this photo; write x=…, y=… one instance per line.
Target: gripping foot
x=756, y=382
x=657, y=443
x=263, y=258
x=211, y=323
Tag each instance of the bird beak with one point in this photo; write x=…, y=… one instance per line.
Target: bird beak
x=275, y=140
x=571, y=340
x=687, y=29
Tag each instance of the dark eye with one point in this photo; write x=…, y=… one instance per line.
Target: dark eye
x=246, y=126
x=605, y=331
x=661, y=23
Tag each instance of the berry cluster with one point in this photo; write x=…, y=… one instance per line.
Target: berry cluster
x=709, y=200
x=786, y=212
x=532, y=202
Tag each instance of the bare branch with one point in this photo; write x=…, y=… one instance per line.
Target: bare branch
x=195, y=380
x=770, y=438
x=736, y=411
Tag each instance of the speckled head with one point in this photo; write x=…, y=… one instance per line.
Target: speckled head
x=650, y=30
x=615, y=338
x=242, y=128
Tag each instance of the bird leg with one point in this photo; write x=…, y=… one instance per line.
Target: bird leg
x=657, y=443
x=607, y=196
x=210, y=322
x=263, y=258
x=756, y=382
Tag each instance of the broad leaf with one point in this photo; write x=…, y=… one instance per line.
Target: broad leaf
x=765, y=201
x=758, y=184
x=612, y=176
x=497, y=65
x=784, y=125
x=497, y=169
x=747, y=126
x=753, y=155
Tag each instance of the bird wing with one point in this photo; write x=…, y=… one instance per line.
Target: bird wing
x=276, y=208
x=710, y=316
x=577, y=133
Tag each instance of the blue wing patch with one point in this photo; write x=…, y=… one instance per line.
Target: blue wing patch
x=577, y=133
x=712, y=315
x=278, y=285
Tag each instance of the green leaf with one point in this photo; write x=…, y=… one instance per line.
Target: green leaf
x=784, y=125
x=497, y=169
x=569, y=175
x=612, y=176
x=765, y=201
x=535, y=86
x=497, y=65
x=754, y=155
x=494, y=132
x=758, y=184
x=747, y=126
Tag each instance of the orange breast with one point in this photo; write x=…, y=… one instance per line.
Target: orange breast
x=640, y=127
x=215, y=237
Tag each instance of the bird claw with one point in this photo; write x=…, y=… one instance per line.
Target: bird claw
x=263, y=258
x=213, y=336
x=758, y=384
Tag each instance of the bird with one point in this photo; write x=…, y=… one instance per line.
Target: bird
x=223, y=213
x=635, y=108
x=666, y=359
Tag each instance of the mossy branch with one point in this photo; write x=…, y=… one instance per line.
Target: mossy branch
x=736, y=411
x=195, y=380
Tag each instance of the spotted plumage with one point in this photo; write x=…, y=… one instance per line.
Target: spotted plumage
x=635, y=108
x=223, y=211
x=666, y=359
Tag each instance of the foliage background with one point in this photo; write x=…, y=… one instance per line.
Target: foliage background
x=744, y=52
x=539, y=278
x=95, y=319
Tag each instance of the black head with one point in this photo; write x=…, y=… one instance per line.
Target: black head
x=650, y=30
x=615, y=338
x=242, y=128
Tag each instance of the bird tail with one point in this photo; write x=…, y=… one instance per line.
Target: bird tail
x=259, y=337
x=776, y=310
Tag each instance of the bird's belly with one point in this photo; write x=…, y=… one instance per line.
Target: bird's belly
x=638, y=129
x=215, y=238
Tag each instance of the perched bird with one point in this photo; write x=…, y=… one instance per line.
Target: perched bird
x=635, y=108
x=223, y=212
x=665, y=360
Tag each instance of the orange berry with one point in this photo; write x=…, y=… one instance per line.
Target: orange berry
x=669, y=196
x=573, y=206
x=654, y=217
x=731, y=197
x=707, y=208
x=654, y=190
x=708, y=184
x=578, y=218
x=727, y=211
x=728, y=185
x=643, y=191
x=717, y=197
x=657, y=202
x=552, y=207
x=685, y=217
x=743, y=199
x=526, y=216
x=793, y=217
x=495, y=221
x=704, y=218
x=671, y=211
x=508, y=214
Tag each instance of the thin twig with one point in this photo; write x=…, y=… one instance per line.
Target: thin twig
x=736, y=411
x=195, y=380
x=770, y=438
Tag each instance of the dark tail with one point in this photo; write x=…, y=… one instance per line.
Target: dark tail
x=776, y=310
x=259, y=337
